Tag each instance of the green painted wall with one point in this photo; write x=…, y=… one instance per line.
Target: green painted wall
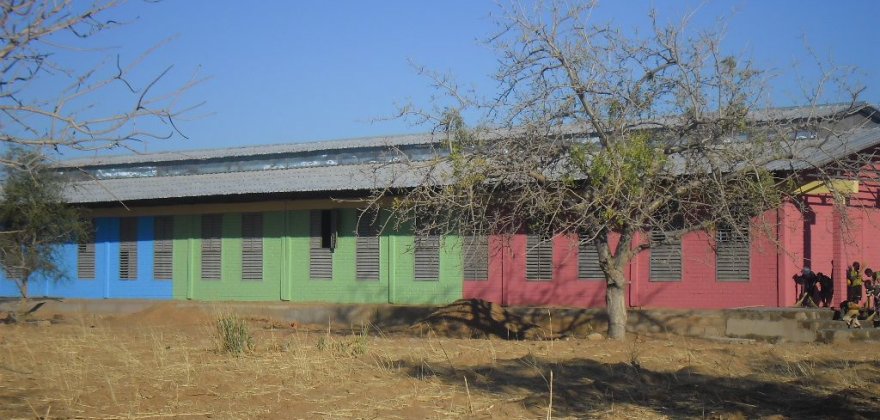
x=286, y=265
x=405, y=289
x=344, y=286
x=184, y=232
x=188, y=282
x=274, y=233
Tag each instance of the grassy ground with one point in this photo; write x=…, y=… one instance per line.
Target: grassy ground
x=164, y=364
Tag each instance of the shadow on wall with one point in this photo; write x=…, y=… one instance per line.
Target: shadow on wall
x=476, y=318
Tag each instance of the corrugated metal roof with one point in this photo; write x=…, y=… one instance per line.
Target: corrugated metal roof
x=367, y=177
x=769, y=114
x=324, y=179
x=808, y=112
x=364, y=177
x=819, y=152
x=273, y=149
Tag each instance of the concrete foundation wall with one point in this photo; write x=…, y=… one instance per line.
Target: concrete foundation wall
x=795, y=325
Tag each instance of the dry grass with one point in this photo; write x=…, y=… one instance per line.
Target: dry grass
x=105, y=368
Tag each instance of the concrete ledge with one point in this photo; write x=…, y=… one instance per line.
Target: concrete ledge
x=789, y=324
x=786, y=329
x=848, y=335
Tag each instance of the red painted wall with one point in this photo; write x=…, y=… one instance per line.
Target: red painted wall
x=698, y=287
x=564, y=289
x=507, y=277
x=783, y=242
x=489, y=289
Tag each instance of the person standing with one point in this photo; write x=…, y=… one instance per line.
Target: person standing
x=854, y=283
x=826, y=292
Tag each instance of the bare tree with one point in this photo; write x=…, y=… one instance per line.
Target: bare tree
x=611, y=135
x=49, y=101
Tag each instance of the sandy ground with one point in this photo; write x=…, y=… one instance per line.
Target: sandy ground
x=165, y=363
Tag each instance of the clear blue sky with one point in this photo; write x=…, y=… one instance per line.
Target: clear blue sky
x=292, y=71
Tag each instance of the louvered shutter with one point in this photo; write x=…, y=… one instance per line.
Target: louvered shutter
x=588, y=263
x=665, y=257
x=128, y=232
x=733, y=259
x=320, y=257
x=252, y=246
x=367, y=249
x=427, y=258
x=11, y=270
x=163, y=247
x=212, y=243
x=475, y=255
x=85, y=254
x=539, y=259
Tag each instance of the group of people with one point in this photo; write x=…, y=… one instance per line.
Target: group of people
x=817, y=290
x=851, y=309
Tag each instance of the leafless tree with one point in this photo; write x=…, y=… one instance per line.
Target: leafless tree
x=48, y=101
x=612, y=135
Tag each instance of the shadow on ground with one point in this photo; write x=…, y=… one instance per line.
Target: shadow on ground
x=587, y=388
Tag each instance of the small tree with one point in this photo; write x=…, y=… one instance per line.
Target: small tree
x=35, y=220
x=610, y=135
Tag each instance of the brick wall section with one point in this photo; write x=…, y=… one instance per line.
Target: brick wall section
x=406, y=290
x=699, y=288
x=273, y=252
x=188, y=283
x=144, y=286
x=792, y=253
x=564, y=289
x=820, y=241
x=343, y=287
x=488, y=289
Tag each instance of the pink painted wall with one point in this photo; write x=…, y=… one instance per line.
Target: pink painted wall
x=507, y=277
x=791, y=253
x=564, y=289
x=699, y=288
x=489, y=289
x=783, y=242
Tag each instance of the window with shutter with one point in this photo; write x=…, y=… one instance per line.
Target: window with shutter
x=321, y=244
x=128, y=232
x=475, y=255
x=212, y=244
x=11, y=270
x=732, y=256
x=252, y=246
x=588, y=263
x=539, y=258
x=367, y=248
x=163, y=247
x=85, y=254
x=427, y=258
x=665, y=257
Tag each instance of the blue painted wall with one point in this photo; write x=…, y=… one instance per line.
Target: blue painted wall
x=39, y=285
x=106, y=284
x=145, y=286
x=7, y=287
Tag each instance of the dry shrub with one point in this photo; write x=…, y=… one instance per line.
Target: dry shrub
x=233, y=336
x=354, y=345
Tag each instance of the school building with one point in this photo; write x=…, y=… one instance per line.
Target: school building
x=280, y=222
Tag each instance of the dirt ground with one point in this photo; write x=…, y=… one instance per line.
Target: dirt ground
x=164, y=363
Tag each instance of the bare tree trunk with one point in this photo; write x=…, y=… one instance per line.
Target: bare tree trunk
x=21, y=311
x=23, y=288
x=615, y=303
